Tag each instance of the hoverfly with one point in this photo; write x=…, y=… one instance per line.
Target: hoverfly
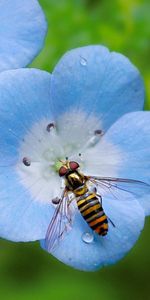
x=89, y=203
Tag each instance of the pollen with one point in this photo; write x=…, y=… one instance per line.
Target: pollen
x=57, y=165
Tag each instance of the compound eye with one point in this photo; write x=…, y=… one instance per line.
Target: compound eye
x=62, y=171
x=73, y=165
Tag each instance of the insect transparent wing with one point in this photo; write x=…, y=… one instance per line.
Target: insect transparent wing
x=60, y=223
x=120, y=187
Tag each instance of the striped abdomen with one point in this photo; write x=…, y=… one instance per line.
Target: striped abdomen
x=91, y=209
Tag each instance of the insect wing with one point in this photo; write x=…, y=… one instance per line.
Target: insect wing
x=60, y=223
x=120, y=187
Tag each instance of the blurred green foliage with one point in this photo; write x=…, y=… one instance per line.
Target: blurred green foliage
x=26, y=271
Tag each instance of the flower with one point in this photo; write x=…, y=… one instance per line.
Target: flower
x=78, y=109
x=22, y=33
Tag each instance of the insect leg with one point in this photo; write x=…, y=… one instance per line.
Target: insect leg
x=111, y=221
x=70, y=201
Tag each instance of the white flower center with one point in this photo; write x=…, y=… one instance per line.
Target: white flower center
x=75, y=136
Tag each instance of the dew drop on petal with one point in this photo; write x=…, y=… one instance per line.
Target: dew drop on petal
x=83, y=61
x=87, y=237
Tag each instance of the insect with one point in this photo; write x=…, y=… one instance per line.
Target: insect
x=89, y=203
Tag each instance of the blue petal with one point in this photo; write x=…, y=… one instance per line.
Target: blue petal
x=21, y=217
x=97, y=81
x=131, y=134
x=128, y=217
x=22, y=32
x=24, y=99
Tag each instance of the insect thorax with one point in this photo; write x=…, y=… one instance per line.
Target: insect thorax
x=74, y=180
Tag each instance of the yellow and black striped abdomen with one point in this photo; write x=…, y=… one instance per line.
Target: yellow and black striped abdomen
x=91, y=209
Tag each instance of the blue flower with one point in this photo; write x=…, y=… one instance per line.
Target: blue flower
x=78, y=109
x=22, y=32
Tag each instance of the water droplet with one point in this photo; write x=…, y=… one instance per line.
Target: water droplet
x=87, y=237
x=83, y=61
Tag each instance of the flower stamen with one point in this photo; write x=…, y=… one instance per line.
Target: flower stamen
x=50, y=126
x=26, y=161
x=56, y=200
x=93, y=140
x=98, y=132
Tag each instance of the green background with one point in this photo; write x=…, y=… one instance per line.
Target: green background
x=26, y=271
